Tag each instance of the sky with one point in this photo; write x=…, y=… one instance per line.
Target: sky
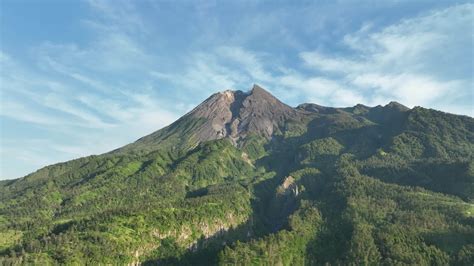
x=86, y=77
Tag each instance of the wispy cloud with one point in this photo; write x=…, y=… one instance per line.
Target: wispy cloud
x=410, y=61
x=378, y=65
x=144, y=65
x=77, y=95
x=82, y=122
x=116, y=16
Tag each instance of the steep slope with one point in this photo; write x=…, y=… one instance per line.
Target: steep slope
x=228, y=114
x=246, y=179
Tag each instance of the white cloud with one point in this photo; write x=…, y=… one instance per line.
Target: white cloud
x=346, y=97
x=81, y=122
x=116, y=16
x=247, y=61
x=330, y=64
x=410, y=61
x=315, y=87
x=98, y=95
x=409, y=89
x=398, y=62
x=21, y=112
x=205, y=73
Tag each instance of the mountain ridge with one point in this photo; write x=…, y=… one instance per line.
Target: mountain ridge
x=235, y=114
x=245, y=179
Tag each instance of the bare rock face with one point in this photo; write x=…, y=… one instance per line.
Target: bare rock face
x=235, y=114
x=228, y=114
x=288, y=187
x=216, y=111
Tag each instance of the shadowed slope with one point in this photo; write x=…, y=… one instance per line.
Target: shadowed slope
x=245, y=179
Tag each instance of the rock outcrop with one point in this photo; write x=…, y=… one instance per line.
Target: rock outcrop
x=236, y=114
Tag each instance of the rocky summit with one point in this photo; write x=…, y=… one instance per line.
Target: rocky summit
x=244, y=179
x=234, y=115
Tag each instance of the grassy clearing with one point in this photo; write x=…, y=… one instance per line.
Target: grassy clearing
x=470, y=210
x=8, y=238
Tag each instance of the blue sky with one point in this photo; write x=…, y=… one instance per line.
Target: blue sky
x=85, y=77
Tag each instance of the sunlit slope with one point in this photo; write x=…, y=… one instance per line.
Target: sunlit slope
x=359, y=185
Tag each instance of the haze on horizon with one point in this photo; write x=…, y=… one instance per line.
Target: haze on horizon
x=85, y=77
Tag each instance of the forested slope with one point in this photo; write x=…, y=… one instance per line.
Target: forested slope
x=383, y=185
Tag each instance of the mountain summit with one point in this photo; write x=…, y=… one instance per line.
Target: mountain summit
x=228, y=114
x=235, y=114
x=244, y=179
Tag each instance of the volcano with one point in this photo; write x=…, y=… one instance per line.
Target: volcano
x=245, y=179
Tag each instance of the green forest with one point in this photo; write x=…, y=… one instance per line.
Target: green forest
x=353, y=186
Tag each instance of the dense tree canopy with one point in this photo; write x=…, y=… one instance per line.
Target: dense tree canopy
x=354, y=186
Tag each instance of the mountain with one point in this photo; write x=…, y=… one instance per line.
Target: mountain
x=246, y=179
x=229, y=114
